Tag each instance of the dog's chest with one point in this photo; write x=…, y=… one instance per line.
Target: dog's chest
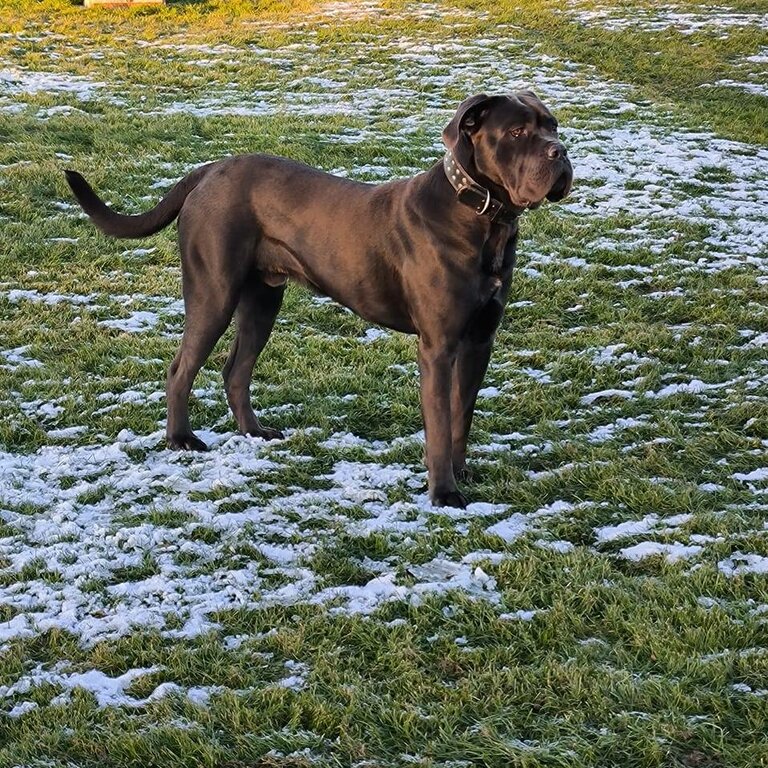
x=498, y=256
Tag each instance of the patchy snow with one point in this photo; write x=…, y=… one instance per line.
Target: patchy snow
x=67, y=433
x=297, y=679
x=593, y=397
x=79, y=532
x=105, y=538
x=23, y=81
x=610, y=431
x=21, y=709
x=18, y=295
x=510, y=529
x=671, y=552
x=739, y=564
x=755, y=476
x=374, y=334
x=342, y=440
x=646, y=171
x=639, y=527
x=108, y=691
x=693, y=387
x=522, y=615
x=161, y=312
x=717, y=19
x=18, y=358
x=111, y=691
x=758, y=88
x=563, y=547
x=630, y=161
x=749, y=690
x=136, y=322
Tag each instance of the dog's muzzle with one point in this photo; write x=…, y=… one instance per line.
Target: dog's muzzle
x=561, y=187
x=563, y=172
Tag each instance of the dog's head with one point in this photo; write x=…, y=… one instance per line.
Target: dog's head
x=512, y=142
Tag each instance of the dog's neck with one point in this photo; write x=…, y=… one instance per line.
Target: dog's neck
x=474, y=195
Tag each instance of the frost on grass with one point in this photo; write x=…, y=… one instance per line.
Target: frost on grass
x=739, y=564
x=18, y=82
x=101, y=541
x=630, y=162
x=712, y=19
x=671, y=552
x=18, y=358
x=119, y=537
x=130, y=313
x=638, y=527
x=114, y=691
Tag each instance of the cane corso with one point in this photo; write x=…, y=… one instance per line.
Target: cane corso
x=430, y=255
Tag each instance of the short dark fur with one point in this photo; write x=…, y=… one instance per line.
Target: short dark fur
x=406, y=254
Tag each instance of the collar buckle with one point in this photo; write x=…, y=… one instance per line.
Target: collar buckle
x=487, y=203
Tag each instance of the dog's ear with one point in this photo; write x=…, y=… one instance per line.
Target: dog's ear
x=529, y=95
x=467, y=119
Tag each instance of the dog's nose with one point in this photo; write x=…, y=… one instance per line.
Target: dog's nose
x=556, y=150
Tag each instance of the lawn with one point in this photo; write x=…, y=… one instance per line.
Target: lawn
x=603, y=601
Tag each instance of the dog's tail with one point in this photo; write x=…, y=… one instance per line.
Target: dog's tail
x=147, y=223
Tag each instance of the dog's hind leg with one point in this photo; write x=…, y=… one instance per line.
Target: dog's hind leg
x=256, y=313
x=202, y=330
x=209, y=302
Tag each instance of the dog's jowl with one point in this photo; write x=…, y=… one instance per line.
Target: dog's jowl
x=431, y=255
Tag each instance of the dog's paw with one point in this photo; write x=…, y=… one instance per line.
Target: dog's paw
x=186, y=443
x=266, y=433
x=464, y=474
x=449, y=499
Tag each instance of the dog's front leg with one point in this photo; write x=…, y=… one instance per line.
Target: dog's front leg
x=471, y=365
x=472, y=359
x=436, y=362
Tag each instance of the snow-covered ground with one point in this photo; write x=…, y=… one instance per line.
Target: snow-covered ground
x=76, y=513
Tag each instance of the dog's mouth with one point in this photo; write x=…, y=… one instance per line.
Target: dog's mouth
x=557, y=192
x=560, y=188
x=525, y=202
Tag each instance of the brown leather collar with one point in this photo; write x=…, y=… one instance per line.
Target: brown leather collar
x=474, y=195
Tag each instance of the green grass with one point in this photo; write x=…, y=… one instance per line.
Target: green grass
x=630, y=377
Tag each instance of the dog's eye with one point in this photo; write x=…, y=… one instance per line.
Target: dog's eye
x=516, y=132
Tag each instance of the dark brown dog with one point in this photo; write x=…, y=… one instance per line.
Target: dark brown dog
x=432, y=255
